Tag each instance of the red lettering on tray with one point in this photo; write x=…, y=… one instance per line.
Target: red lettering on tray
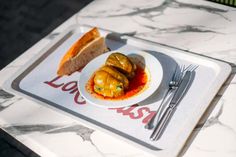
x=78, y=99
x=70, y=87
x=133, y=112
x=149, y=116
x=51, y=83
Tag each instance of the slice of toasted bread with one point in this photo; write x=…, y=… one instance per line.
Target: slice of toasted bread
x=89, y=46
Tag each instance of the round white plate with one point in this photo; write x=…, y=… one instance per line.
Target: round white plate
x=152, y=65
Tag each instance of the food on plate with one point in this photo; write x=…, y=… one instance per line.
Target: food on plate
x=119, y=78
x=107, y=85
x=116, y=74
x=89, y=46
x=109, y=82
x=122, y=63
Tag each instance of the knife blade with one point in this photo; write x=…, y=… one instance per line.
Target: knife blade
x=179, y=94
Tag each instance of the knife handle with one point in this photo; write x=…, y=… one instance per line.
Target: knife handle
x=159, y=128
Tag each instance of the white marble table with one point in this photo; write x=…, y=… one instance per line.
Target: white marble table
x=198, y=26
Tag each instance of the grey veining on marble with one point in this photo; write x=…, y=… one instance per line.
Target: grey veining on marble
x=80, y=130
x=5, y=95
x=7, y=99
x=52, y=36
x=22, y=129
x=158, y=10
x=214, y=118
x=170, y=22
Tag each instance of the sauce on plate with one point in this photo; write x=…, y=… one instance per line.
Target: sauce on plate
x=137, y=84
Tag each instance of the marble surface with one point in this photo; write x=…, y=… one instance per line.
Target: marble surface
x=197, y=26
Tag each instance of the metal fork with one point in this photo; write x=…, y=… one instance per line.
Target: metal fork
x=173, y=85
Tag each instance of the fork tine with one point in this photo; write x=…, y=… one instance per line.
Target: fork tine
x=188, y=67
x=175, y=73
x=178, y=74
x=191, y=67
x=181, y=73
x=195, y=67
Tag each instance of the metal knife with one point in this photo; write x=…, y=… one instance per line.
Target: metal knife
x=180, y=92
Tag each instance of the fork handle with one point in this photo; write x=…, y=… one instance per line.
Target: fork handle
x=150, y=124
x=159, y=128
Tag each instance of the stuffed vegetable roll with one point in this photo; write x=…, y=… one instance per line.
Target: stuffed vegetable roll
x=116, y=74
x=106, y=85
x=122, y=63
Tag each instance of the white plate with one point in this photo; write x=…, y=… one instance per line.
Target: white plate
x=152, y=65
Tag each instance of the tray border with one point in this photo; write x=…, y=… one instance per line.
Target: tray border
x=41, y=56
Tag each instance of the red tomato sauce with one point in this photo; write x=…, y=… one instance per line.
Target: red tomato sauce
x=136, y=84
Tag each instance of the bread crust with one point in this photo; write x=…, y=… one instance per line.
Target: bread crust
x=89, y=46
x=90, y=51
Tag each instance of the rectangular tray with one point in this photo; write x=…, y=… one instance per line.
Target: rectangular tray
x=39, y=82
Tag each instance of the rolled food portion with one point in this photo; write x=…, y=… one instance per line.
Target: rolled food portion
x=116, y=74
x=106, y=85
x=122, y=63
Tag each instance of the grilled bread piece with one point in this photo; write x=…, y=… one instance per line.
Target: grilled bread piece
x=89, y=46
